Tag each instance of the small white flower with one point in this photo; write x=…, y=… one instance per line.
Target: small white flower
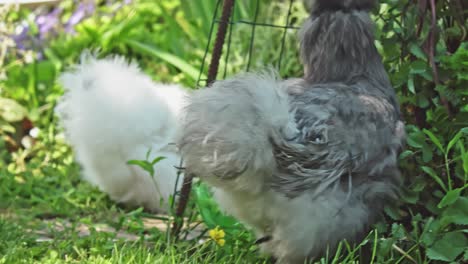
x=29, y=56
x=34, y=132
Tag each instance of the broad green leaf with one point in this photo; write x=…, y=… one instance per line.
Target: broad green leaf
x=117, y=32
x=457, y=212
x=158, y=159
x=449, y=247
x=177, y=23
x=398, y=231
x=426, y=153
x=91, y=31
x=454, y=140
x=406, y=154
x=401, y=77
x=411, y=84
x=430, y=231
x=6, y=127
x=434, y=176
x=384, y=248
x=205, y=206
x=140, y=163
x=45, y=71
x=434, y=140
x=464, y=156
x=182, y=65
x=416, y=140
x=427, y=75
x=450, y=197
x=143, y=164
x=11, y=111
x=453, y=31
x=393, y=212
x=422, y=100
x=419, y=184
x=410, y=197
x=207, y=216
x=417, y=51
x=418, y=67
x=465, y=162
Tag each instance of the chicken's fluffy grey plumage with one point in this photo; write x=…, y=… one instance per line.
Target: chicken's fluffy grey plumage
x=306, y=161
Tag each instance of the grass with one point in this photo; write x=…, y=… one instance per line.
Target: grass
x=48, y=214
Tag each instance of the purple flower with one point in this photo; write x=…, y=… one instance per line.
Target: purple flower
x=21, y=37
x=49, y=25
x=40, y=56
x=48, y=22
x=126, y=2
x=83, y=10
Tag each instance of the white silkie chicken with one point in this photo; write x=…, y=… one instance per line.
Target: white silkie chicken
x=113, y=113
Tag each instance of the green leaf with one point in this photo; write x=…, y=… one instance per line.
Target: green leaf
x=464, y=156
x=417, y=51
x=413, y=143
x=5, y=127
x=416, y=139
x=457, y=213
x=410, y=197
x=434, y=176
x=158, y=159
x=454, y=140
x=411, y=84
x=422, y=101
x=207, y=217
x=398, y=231
x=45, y=71
x=182, y=65
x=419, y=184
x=384, y=248
x=401, y=77
x=393, y=212
x=430, y=231
x=11, y=111
x=406, y=154
x=140, y=163
x=426, y=153
x=418, y=67
x=449, y=247
x=450, y=197
x=117, y=32
x=205, y=205
x=434, y=140
x=143, y=164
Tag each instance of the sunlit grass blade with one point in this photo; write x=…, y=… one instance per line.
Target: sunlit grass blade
x=177, y=62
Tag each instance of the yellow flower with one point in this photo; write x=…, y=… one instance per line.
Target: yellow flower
x=218, y=236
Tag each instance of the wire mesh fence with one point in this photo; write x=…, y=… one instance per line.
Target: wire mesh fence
x=266, y=42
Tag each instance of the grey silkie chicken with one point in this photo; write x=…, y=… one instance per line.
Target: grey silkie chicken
x=304, y=162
